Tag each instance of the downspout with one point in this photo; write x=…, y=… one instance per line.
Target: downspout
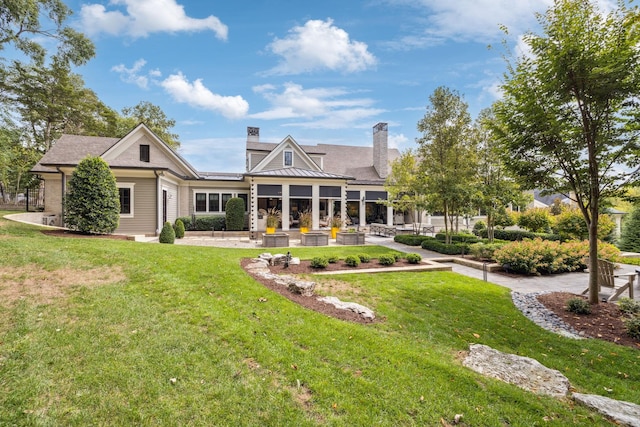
x=62, y=195
x=157, y=202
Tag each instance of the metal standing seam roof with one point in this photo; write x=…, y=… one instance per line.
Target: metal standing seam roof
x=298, y=173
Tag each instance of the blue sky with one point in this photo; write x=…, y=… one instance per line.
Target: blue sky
x=322, y=72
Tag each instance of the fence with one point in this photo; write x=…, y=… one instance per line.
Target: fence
x=29, y=200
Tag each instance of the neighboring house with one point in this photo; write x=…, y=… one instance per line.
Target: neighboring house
x=156, y=184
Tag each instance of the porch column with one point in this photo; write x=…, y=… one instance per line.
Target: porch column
x=390, y=216
x=253, y=207
x=343, y=203
x=286, y=210
x=363, y=210
x=315, y=207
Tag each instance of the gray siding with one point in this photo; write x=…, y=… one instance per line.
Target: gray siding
x=144, y=208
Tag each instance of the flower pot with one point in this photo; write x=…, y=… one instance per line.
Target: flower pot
x=271, y=230
x=334, y=232
x=304, y=229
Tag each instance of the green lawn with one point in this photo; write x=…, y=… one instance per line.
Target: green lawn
x=105, y=332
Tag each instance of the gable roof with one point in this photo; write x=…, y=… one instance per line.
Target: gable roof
x=69, y=150
x=277, y=151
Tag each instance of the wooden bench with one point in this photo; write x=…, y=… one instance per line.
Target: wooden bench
x=607, y=278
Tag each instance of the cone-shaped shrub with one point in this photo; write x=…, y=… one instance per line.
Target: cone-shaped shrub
x=179, y=229
x=167, y=235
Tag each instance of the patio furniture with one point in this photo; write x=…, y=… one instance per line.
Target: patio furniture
x=314, y=238
x=607, y=278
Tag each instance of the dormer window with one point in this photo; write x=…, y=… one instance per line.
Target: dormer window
x=288, y=158
x=144, y=153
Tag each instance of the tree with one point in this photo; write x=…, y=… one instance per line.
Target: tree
x=568, y=120
x=405, y=187
x=92, y=202
x=21, y=27
x=52, y=100
x=448, y=156
x=630, y=236
x=153, y=116
x=497, y=189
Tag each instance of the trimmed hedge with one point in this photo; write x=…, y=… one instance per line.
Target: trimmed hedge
x=516, y=235
x=234, y=216
x=458, y=238
x=410, y=239
x=204, y=223
x=432, y=244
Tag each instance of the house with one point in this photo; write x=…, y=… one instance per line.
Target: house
x=157, y=185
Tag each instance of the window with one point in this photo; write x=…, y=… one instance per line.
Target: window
x=125, y=192
x=201, y=202
x=216, y=201
x=288, y=158
x=225, y=199
x=144, y=153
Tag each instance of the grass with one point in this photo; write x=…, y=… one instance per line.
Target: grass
x=179, y=336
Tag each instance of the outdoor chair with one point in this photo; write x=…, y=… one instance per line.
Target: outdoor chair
x=607, y=278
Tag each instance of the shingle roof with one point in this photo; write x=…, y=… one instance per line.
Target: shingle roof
x=69, y=150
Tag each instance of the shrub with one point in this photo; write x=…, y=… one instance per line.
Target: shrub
x=332, y=259
x=431, y=244
x=234, y=214
x=578, y=306
x=535, y=219
x=629, y=306
x=210, y=222
x=167, y=235
x=319, y=262
x=352, y=261
x=514, y=235
x=179, y=229
x=186, y=221
x=410, y=239
x=570, y=224
x=458, y=238
x=92, y=202
x=633, y=327
x=389, y=259
x=397, y=256
x=484, y=251
x=542, y=256
x=630, y=235
x=478, y=226
x=364, y=258
x=414, y=258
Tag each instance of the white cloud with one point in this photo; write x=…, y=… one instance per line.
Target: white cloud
x=398, y=141
x=333, y=108
x=132, y=75
x=197, y=95
x=320, y=45
x=144, y=17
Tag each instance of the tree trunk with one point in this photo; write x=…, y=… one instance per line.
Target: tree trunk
x=594, y=296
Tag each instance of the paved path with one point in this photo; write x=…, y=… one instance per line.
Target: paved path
x=567, y=282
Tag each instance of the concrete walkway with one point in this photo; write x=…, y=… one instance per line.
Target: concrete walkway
x=567, y=282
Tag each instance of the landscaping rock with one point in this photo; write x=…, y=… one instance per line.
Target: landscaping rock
x=524, y=372
x=623, y=413
x=352, y=306
x=302, y=287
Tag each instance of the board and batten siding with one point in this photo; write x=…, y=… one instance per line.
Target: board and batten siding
x=144, y=208
x=172, y=201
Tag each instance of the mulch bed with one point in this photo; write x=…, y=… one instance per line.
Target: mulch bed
x=605, y=321
x=77, y=234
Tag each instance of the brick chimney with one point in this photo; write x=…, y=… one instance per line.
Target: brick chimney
x=253, y=134
x=380, y=149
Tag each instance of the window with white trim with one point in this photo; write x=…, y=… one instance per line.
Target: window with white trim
x=215, y=201
x=125, y=192
x=288, y=158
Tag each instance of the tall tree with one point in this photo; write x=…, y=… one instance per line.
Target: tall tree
x=153, y=116
x=405, y=186
x=52, y=100
x=448, y=155
x=569, y=115
x=24, y=23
